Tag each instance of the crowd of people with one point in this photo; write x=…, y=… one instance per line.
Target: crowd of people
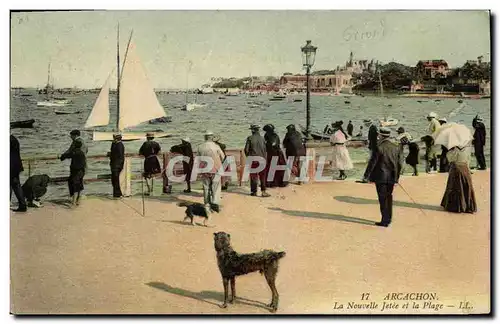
x=384, y=166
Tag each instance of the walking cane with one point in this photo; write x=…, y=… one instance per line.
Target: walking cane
x=406, y=192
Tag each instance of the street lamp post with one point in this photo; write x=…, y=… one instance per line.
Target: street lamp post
x=308, y=56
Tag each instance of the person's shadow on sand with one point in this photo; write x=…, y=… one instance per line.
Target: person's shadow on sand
x=205, y=296
x=366, y=201
x=342, y=218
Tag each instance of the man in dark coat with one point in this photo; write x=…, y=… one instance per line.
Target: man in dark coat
x=186, y=150
x=274, y=150
x=149, y=150
x=78, y=155
x=256, y=146
x=116, y=162
x=75, y=137
x=34, y=188
x=479, y=142
x=350, y=128
x=16, y=167
x=385, y=169
x=372, y=146
x=444, y=166
x=294, y=147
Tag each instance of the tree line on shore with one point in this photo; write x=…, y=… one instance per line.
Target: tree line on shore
x=393, y=75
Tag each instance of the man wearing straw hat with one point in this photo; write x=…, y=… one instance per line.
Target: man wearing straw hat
x=149, y=150
x=116, y=162
x=385, y=168
x=211, y=180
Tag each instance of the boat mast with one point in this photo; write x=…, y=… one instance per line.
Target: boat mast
x=382, y=91
x=187, y=81
x=381, y=85
x=118, y=79
x=48, y=77
x=47, y=87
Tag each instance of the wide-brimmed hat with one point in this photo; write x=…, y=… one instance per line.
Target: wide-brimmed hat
x=432, y=115
x=443, y=119
x=479, y=119
x=209, y=133
x=367, y=121
x=216, y=138
x=117, y=135
x=186, y=139
x=401, y=130
x=254, y=127
x=150, y=134
x=384, y=131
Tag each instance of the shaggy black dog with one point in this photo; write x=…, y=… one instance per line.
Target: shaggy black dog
x=197, y=209
x=232, y=264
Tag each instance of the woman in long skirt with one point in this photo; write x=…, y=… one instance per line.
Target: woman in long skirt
x=341, y=160
x=273, y=149
x=413, y=157
x=459, y=196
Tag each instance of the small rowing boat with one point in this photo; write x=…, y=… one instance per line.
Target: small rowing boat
x=22, y=123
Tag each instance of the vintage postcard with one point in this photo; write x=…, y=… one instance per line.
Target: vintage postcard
x=250, y=162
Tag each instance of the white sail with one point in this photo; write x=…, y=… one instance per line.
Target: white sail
x=138, y=102
x=99, y=116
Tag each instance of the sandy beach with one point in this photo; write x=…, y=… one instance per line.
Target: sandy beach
x=104, y=257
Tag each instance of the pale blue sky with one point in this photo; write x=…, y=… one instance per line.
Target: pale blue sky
x=82, y=45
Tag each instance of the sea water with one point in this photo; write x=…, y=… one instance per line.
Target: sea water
x=229, y=118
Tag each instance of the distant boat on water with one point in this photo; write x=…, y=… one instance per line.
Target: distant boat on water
x=353, y=142
x=51, y=101
x=66, y=112
x=136, y=100
x=189, y=106
x=22, y=123
x=161, y=120
x=389, y=121
x=278, y=97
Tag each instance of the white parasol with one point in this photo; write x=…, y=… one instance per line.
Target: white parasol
x=451, y=135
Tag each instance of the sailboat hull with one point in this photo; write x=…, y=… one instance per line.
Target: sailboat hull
x=53, y=103
x=126, y=137
x=192, y=106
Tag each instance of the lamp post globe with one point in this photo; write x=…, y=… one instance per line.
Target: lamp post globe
x=308, y=58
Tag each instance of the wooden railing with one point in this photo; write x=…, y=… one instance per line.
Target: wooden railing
x=237, y=154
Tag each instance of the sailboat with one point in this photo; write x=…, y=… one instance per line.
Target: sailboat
x=388, y=120
x=136, y=100
x=50, y=101
x=191, y=105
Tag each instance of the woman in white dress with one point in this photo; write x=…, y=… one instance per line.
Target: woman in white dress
x=341, y=160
